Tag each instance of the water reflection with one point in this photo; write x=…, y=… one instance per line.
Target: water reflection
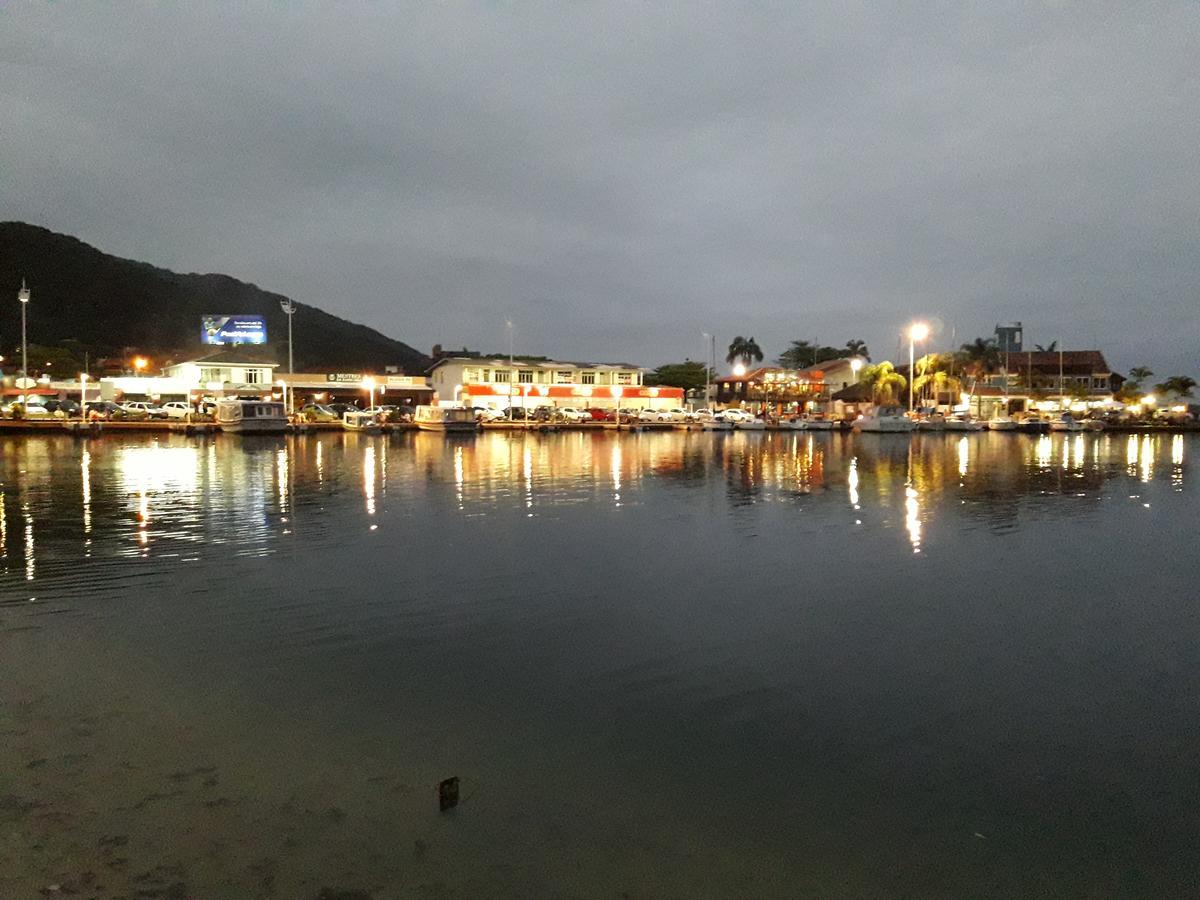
x=141, y=495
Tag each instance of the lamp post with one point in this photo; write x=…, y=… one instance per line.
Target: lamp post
x=616, y=392
x=918, y=331
x=283, y=384
x=289, y=310
x=369, y=384
x=23, y=296
x=82, y=395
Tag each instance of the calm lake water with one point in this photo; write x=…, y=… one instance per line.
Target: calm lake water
x=662, y=665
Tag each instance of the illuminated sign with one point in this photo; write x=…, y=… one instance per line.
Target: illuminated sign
x=233, y=330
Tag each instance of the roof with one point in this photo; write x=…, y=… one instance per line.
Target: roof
x=855, y=393
x=240, y=354
x=533, y=364
x=1074, y=362
x=814, y=373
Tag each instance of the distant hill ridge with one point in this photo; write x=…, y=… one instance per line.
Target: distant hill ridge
x=108, y=303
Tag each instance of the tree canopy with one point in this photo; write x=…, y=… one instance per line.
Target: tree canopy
x=744, y=350
x=688, y=375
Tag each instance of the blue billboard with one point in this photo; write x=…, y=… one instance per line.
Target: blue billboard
x=233, y=330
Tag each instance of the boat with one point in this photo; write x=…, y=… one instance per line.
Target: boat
x=715, y=425
x=817, y=423
x=1001, y=423
x=445, y=418
x=366, y=422
x=251, y=416
x=1033, y=424
x=936, y=422
x=1092, y=424
x=885, y=419
x=791, y=424
x=1066, y=422
x=963, y=423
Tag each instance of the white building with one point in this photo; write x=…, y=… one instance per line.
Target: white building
x=233, y=367
x=496, y=383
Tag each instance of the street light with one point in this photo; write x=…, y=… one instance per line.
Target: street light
x=289, y=309
x=856, y=365
x=23, y=296
x=139, y=363
x=918, y=331
x=369, y=384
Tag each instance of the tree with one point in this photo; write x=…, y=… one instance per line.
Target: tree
x=1138, y=374
x=744, y=350
x=980, y=357
x=802, y=354
x=886, y=383
x=1179, y=385
x=935, y=373
x=1053, y=346
x=858, y=348
x=688, y=375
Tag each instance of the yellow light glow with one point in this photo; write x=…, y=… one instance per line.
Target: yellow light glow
x=739, y=370
x=919, y=331
x=855, y=365
x=1150, y=400
x=140, y=363
x=368, y=383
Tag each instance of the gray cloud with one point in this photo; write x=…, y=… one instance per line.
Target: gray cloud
x=617, y=178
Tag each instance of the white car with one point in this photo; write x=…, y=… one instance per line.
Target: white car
x=151, y=410
x=34, y=409
x=679, y=414
x=734, y=416
x=703, y=413
x=649, y=415
x=177, y=409
x=571, y=414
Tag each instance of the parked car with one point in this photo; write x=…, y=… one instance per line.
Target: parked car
x=652, y=415
x=679, y=414
x=62, y=409
x=341, y=409
x=315, y=412
x=147, y=410
x=177, y=409
x=600, y=415
x=106, y=409
x=34, y=408
x=734, y=416
x=487, y=414
x=571, y=414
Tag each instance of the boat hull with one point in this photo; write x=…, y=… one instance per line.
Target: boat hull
x=261, y=425
x=885, y=426
x=455, y=427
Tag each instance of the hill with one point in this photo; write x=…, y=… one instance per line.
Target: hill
x=105, y=303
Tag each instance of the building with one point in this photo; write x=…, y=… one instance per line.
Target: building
x=356, y=387
x=227, y=369
x=779, y=389
x=1084, y=375
x=1009, y=337
x=496, y=383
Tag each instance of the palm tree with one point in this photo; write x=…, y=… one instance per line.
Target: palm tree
x=1053, y=346
x=935, y=372
x=745, y=350
x=858, y=348
x=980, y=357
x=886, y=383
x=1179, y=385
x=1138, y=374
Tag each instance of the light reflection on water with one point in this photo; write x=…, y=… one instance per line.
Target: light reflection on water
x=921, y=633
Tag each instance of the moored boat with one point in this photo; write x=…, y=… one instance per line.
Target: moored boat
x=1001, y=423
x=445, y=418
x=936, y=422
x=362, y=421
x=251, y=416
x=963, y=423
x=1066, y=422
x=885, y=419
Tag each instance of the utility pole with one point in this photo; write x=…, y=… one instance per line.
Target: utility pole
x=289, y=309
x=23, y=296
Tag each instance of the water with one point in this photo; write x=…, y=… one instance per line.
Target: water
x=663, y=665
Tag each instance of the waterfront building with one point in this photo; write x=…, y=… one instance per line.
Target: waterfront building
x=496, y=383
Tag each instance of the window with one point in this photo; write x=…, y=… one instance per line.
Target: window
x=470, y=374
x=207, y=375
x=501, y=376
x=587, y=378
x=624, y=378
x=253, y=376
x=564, y=376
x=525, y=376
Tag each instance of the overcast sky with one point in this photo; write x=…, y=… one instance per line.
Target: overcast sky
x=617, y=178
